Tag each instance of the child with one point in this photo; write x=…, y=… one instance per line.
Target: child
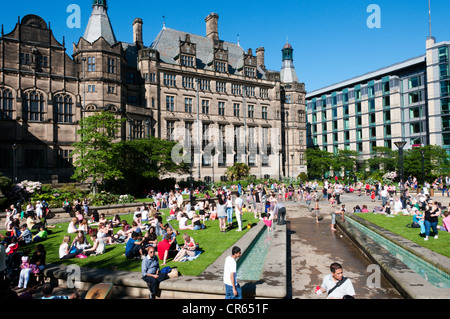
x=372, y=196
x=40, y=236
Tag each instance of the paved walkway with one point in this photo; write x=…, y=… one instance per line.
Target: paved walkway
x=313, y=247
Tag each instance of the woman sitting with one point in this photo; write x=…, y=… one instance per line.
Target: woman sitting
x=183, y=223
x=188, y=249
x=72, y=228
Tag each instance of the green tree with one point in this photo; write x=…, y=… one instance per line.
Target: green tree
x=345, y=161
x=143, y=161
x=435, y=162
x=319, y=162
x=94, y=153
x=238, y=171
x=383, y=159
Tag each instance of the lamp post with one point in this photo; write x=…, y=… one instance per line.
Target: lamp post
x=400, y=145
x=14, y=171
x=422, y=153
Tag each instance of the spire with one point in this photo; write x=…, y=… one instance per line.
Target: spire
x=288, y=74
x=99, y=24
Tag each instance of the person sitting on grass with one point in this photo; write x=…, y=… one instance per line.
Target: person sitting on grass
x=98, y=247
x=445, y=223
x=41, y=235
x=183, y=223
x=188, y=248
x=164, y=251
x=133, y=248
x=65, y=252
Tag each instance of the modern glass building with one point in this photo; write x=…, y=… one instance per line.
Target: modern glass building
x=407, y=101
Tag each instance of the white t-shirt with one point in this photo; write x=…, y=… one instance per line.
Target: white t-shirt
x=230, y=267
x=62, y=250
x=345, y=289
x=239, y=202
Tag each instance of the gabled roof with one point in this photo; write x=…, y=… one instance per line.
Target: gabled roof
x=167, y=44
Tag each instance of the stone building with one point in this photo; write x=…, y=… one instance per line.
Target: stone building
x=216, y=99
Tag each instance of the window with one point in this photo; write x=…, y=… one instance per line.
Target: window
x=414, y=82
x=358, y=108
x=445, y=105
x=345, y=110
x=131, y=78
x=358, y=135
x=324, y=127
x=372, y=119
x=111, y=66
x=170, y=130
x=250, y=72
x=6, y=104
x=443, y=54
x=236, y=89
x=386, y=87
x=221, y=108
x=34, y=106
x=415, y=97
x=137, y=129
x=387, y=116
x=264, y=93
x=91, y=88
x=251, y=111
x=205, y=106
x=188, y=105
x=205, y=85
x=387, y=131
x=250, y=91
x=288, y=99
x=35, y=158
x=170, y=79
x=25, y=59
x=221, y=66
x=170, y=103
x=386, y=101
x=221, y=87
x=111, y=89
x=205, y=134
x=358, y=121
x=187, y=60
x=445, y=88
x=236, y=109
x=446, y=123
x=64, y=159
x=187, y=82
x=264, y=112
x=372, y=105
x=132, y=100
x=91, y=64
x=416, y=127
x=415, y=112
x=443, y=71
x=63, y=109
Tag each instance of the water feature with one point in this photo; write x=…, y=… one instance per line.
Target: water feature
x=429, y=272
x=251, y=263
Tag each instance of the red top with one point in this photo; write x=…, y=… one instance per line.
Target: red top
x=163, y=246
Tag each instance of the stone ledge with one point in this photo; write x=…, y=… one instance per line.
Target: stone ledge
x=406, y=281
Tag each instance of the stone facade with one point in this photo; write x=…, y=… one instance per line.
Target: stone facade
x=204, y=92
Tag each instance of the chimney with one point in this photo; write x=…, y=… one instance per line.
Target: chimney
x=137, y=32
x=212, y=27
x=260, y=58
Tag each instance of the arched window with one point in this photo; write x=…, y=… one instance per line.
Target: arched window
x=6, y=104
x=34, y=106
x=63, y=108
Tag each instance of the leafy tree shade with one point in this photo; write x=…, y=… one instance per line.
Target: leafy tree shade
x=384, y=159
x=319, y=162
x=238, y=171
x=95, y=152
x=436, y=162
x=142, y=162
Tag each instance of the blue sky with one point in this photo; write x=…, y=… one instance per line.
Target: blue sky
x=331, y=39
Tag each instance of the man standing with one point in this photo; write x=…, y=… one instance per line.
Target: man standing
x=238, y=203
x=150, y=272
x=280, y=211
x=232, y=289
x=336, y=285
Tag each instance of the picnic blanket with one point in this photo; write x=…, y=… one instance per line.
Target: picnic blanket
x=189, y=258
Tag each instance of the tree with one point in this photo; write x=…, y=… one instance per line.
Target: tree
x=436, y=162
x=319, y=162
x=94, y=152
x=143, y=161
x=384, y=159
x=345, y=160
x=238, y=171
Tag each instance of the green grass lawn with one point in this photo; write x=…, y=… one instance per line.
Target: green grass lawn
x=211, y=242
x=397, y=225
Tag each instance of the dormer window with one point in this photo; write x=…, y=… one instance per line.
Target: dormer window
x=221, y=67
x=187, y=60
x=250, y=72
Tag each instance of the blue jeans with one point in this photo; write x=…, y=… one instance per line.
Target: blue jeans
x=230, y=215
x=229, y=292
x=428, y=226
